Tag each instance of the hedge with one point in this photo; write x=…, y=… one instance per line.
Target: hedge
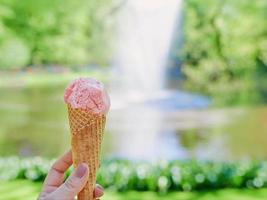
x=66, y=32
x=162, y=176
x=225, y=50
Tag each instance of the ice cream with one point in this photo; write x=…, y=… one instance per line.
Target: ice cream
x=88, y=104
x=88, y=94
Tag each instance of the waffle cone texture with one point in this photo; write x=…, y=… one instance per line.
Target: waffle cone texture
x=87, y=131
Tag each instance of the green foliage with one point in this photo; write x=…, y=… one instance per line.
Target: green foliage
x=225, y=49
x=53, y=32
x=14, y=52
x=162, y=177
x=29, y=168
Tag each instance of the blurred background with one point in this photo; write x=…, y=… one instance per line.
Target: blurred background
x=187, y=81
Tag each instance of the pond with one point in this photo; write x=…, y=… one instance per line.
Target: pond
x=33, y=121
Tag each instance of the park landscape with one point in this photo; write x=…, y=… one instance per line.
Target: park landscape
x=188, y=88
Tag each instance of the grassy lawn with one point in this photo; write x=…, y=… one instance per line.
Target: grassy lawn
x=22, y=189
x=16, y=79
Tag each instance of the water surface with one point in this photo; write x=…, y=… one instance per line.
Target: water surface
x=33, y=121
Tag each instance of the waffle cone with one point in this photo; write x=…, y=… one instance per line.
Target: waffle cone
x=86, y=137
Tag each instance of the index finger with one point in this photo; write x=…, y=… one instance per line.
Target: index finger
x=56, y=174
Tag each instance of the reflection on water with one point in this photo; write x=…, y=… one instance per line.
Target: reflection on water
x=140, y=134
x=33, y=121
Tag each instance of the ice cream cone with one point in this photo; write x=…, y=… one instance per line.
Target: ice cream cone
x=87, y=132
x=88, y=104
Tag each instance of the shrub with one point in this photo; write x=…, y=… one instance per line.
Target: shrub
x=162, y=176
x=225, y=49
x=54, y=31
x=14, y=53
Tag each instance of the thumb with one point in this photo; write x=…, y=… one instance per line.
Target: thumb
x=73, y=185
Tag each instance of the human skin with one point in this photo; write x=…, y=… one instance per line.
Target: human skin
x=55, y=188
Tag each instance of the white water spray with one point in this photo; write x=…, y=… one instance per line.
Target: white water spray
x=145, y=34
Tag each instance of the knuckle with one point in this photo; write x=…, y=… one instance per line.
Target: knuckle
x=45, y=196
x=70, y=184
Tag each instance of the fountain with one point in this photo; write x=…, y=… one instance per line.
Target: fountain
x=139, y=98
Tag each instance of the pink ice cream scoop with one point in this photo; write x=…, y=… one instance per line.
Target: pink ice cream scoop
x=88, y=94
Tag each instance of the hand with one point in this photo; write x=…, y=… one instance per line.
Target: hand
x=56, y=189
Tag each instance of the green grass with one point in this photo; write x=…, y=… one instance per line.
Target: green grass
x=23, y=189
x=19, y=190
x=13, y=79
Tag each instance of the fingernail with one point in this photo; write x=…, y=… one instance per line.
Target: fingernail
x=81, y=170
x=99, y=187
x=99, y=191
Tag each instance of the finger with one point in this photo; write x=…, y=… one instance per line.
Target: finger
x=56, y=174
x=73, y=185
x=99, y=191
